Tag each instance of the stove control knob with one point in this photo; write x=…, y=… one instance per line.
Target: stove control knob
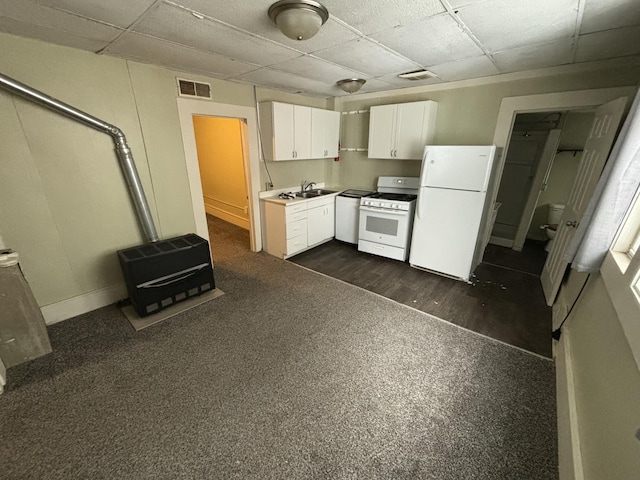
x=395, y=205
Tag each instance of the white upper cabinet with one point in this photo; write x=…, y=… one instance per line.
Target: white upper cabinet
x=401, y=131
x=325, y=133
x=296, y=132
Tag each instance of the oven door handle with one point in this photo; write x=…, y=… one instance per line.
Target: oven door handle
x=384, y=210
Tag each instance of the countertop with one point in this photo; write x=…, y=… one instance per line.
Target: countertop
x=272, y=195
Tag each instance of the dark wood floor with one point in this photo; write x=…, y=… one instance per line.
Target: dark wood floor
x=504, y=300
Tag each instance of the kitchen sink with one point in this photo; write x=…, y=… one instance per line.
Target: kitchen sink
x=314, y=193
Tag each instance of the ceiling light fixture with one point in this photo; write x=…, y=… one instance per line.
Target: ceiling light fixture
x=351, y=85
x=298, y=19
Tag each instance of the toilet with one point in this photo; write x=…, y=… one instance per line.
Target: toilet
x=553, y=219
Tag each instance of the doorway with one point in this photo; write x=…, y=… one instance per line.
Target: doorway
x=609, y=105
x=187, y=109
x=220, y=144
x=540, y=167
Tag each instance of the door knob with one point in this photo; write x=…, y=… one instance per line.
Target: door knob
x=573, y=223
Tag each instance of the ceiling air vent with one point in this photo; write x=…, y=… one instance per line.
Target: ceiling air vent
x=418, y=75
x=189, y=88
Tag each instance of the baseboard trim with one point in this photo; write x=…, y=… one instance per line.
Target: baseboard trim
x=71, y=307
x=569, y=453
x=503, y=242
x=226, y=216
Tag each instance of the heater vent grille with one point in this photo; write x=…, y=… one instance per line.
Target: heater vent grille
x=417, y=75
x=190, y=88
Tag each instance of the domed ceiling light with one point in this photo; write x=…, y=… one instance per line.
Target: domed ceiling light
x=298, y=19
x=351, y=85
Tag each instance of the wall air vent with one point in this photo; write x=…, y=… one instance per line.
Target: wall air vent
x=189, y=88
x=418, y=75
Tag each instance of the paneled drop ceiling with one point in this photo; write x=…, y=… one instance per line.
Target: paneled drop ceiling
x=371, y=39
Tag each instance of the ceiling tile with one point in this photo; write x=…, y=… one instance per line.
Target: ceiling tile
x=253, y=17
x=175, y=56
x=116, y=12
x=49, y=19
x=431, y=41
x=370, y=16
x=294, y=83
x=463, y=3
x=558, y=52
x=51, y=35
x=316, y=68
x=367, y=57
x=464, y=69
x=180, y=26
x=503, y=24
x=607, y=14
x=609, y=44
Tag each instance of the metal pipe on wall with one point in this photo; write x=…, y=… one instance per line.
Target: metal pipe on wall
x=123, y=151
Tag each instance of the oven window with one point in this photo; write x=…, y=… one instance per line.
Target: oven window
x=385, y=226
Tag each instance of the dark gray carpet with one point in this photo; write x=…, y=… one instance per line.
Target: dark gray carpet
x=289, y=375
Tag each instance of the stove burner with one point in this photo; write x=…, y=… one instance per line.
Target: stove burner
x=396, y=197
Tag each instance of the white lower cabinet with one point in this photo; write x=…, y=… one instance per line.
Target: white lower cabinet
x=293, y=227
x=321, y=223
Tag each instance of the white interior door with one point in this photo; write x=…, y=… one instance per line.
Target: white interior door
x=596, y=151
x=540, y=179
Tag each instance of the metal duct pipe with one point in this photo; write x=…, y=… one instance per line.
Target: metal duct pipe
x=122, y=149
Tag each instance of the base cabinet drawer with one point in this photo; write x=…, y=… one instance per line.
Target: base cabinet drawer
x=297, y=228
x=296, y=244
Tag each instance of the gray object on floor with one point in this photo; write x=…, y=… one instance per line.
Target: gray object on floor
x=23, y=334
x=288, y=375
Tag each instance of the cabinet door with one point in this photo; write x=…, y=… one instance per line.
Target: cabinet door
x=283, y=131
x=382, y=128
x=325, y=133
x=302, y=132
x=411, y=134
x=332, y=138
x=320, y=223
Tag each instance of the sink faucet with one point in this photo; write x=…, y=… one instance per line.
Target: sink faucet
x=306, y=185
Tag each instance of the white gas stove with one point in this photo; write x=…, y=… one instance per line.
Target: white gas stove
x=386, y=217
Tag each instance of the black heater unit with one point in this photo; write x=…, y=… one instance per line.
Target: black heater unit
x=162, y=273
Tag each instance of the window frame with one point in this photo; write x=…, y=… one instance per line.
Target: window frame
x=621, y=275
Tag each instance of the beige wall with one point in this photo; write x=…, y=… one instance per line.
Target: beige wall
x=220, y=155
x=63, y=202
x=607, y=387
x=466, y=116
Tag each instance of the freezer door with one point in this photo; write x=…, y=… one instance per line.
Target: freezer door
x=457, y=167
x=445, y=230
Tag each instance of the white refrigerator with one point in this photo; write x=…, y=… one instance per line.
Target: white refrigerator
x=452, y=209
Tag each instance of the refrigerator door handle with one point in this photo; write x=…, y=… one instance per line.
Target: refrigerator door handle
x=419, y=207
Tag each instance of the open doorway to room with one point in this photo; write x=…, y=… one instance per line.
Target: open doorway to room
x=540, y=167
x=222, y=149
x=603, y=110
x=248, y=198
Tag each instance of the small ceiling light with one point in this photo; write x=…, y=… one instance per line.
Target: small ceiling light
x=351, y=85
x=298, y=19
